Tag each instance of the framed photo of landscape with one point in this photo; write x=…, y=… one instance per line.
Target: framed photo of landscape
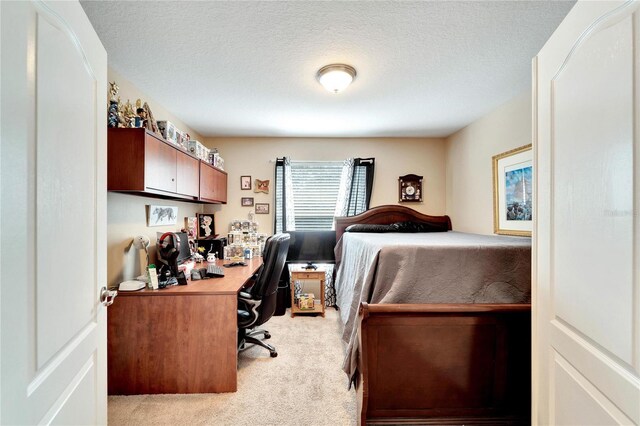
x=513, y=192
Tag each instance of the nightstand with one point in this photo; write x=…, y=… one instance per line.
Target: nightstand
x=301, y=282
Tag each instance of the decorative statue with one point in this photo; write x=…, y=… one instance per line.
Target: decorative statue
x=151, y=122
x=113, y=91
x=113, y=114
x=129, y=115
x=122, y=122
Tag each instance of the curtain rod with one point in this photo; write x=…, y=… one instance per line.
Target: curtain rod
x=312, y=161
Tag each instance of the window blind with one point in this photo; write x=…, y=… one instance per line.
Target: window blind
x=315, y=190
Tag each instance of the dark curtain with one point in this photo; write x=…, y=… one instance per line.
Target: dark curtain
x=279, y=210
x=361, y=185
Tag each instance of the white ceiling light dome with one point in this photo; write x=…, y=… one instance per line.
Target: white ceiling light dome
x=336, y=77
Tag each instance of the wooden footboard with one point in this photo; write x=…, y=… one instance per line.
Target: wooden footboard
x=445, y=364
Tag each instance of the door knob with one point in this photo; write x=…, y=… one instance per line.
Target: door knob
x=107, y=296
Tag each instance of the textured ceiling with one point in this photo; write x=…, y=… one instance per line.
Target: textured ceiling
x=248, y=68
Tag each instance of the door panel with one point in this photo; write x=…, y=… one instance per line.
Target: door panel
x=160, y=165
x=53, y=218
x=573, y=390
x=213, y=184
x=63, y=132
x=221, y=187
x=187, y=175
x=587, y=227
x=593, y=195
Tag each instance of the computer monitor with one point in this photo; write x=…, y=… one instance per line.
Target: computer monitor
x=311, y=247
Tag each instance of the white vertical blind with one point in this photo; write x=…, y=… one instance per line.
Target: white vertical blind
x=315, y=190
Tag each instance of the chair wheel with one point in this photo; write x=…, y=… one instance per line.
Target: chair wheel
x=267, y=336
x=273, y=354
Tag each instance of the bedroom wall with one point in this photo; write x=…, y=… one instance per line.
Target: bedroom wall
x=160, y=112
x=126, y=214
x=126, y=218
x=469, y=152
x=394, y=157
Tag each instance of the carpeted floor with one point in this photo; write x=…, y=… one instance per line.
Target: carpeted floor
x=304, y=385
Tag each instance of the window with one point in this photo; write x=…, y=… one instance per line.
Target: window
x=315, y=192
x=306, y=193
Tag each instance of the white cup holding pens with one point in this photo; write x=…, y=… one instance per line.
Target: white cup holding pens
x=211, y=258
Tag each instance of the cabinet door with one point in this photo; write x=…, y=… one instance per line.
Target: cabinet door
x=187, y=175
x=160, y=165
x=213, y=184
x=221, y=186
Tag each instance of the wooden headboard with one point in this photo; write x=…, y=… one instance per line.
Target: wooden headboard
x=385, y=215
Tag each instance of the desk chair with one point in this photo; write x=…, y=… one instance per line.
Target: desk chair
x=258, y=303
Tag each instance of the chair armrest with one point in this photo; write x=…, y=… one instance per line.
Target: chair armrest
x=245, y=296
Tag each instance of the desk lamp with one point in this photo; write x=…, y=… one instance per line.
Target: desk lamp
x=139, y=242
x=142, y=242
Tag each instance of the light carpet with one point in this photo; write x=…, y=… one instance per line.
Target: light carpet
x=303, y=385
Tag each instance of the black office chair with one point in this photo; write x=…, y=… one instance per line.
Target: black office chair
x=258, y=303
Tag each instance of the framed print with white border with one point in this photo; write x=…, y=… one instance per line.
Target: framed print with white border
x=513, y=192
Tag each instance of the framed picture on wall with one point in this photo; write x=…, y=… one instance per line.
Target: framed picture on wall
x=245, y=183
x=262, y=208
x=261, y=186
x=513, y=192
x=410, y=188
x=162, y=215
x=206, y=227
x=246, y=201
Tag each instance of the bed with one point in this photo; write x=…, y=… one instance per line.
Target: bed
x=437, y=325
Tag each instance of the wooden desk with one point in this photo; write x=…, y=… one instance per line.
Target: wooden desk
x=182, y=339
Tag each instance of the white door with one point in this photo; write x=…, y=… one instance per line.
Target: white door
x=53, y=215
x=586, y=348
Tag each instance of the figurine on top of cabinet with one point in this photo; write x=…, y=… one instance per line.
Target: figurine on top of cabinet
x=151, y=122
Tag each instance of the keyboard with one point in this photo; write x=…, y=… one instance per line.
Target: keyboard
x=214, y=271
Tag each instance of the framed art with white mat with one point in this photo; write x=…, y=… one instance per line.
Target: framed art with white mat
x=513, y=192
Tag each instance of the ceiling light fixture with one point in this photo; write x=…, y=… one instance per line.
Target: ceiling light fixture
x=336, y=77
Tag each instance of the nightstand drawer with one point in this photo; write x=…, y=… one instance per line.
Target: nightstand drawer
x=308, y=275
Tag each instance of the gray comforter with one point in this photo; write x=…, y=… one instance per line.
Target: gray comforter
x=443, y=267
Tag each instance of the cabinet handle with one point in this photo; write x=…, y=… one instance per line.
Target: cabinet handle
x=172, y=179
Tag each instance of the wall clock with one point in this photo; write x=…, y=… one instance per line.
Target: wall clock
x=410, y=188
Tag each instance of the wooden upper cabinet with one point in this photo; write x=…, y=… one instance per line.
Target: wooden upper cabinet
x=213, y=184
x=187, y=174
x=159, y=165
x=141, y=162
